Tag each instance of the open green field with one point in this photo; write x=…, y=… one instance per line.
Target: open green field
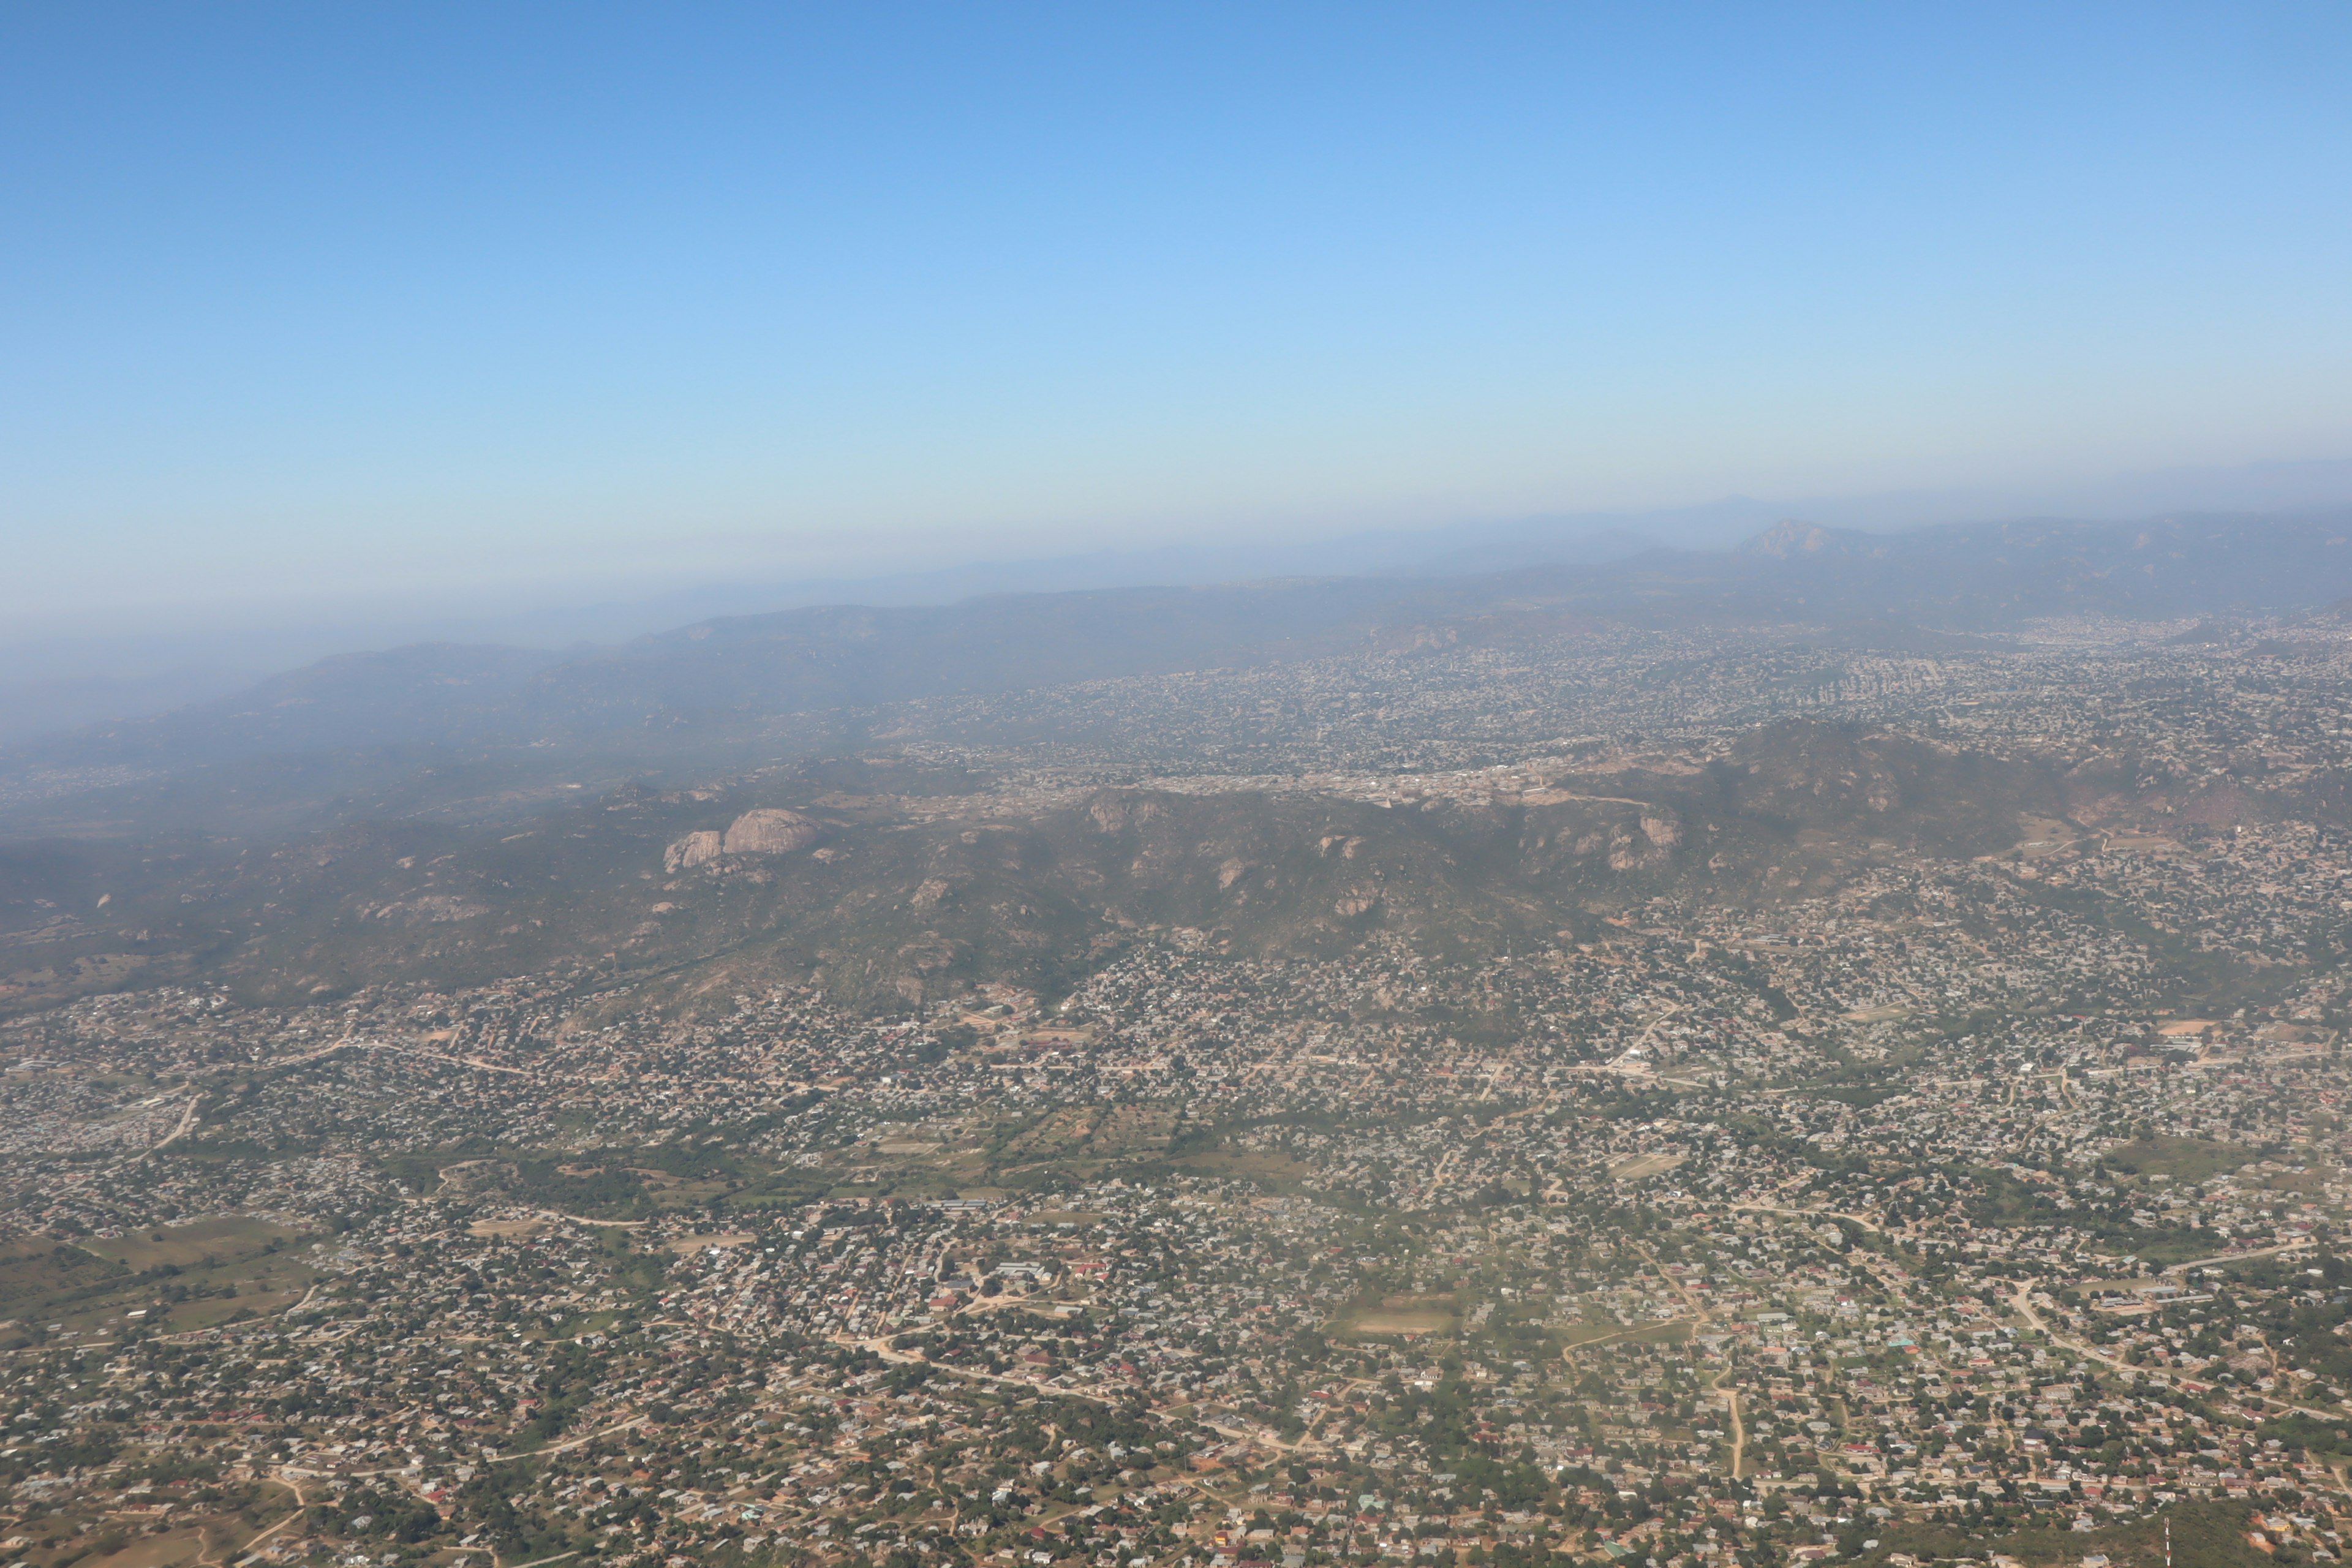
x=184, y=1276
x=211, y=1242
x=1672, y=1331
x=1394, y=1315
x=2185, y=1160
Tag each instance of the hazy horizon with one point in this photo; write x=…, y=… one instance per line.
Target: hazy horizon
x=1033, y=785
x=543, y=308
x=77, y=677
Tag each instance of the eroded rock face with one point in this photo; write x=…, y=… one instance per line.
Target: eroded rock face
x=694, y=849
x=767, y=831
x=1115, y=812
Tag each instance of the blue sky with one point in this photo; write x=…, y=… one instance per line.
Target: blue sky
x=329, y=299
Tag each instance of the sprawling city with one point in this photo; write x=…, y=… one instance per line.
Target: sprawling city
x=1067, y=785
x=1676, y=1098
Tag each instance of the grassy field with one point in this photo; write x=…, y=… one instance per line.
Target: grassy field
x=1057, y=1135
x=258, y=1302
x=214, y=1539
x=2186, y=1161
x=1130, y=1129
x=214, y=1242
x=1392, y=1315
x=36, y=1271
x=1672, y=1331
x=186, y=1276
x=1280, y=1170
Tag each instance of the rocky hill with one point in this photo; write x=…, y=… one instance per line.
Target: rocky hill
x=905, y=800
x=899, y=896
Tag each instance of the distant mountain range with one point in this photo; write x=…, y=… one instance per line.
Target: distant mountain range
x=700, y=683
x=117, y=665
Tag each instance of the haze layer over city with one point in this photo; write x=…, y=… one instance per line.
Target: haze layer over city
x=924, y=787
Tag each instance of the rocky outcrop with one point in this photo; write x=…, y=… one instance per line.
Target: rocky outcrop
x=770, y=832
x=694, y=849
x=1115, y=811
x=432, y=908
x=767, y=831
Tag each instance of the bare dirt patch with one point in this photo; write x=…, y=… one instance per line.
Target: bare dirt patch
x=702, y=1242
x=164, y=1551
